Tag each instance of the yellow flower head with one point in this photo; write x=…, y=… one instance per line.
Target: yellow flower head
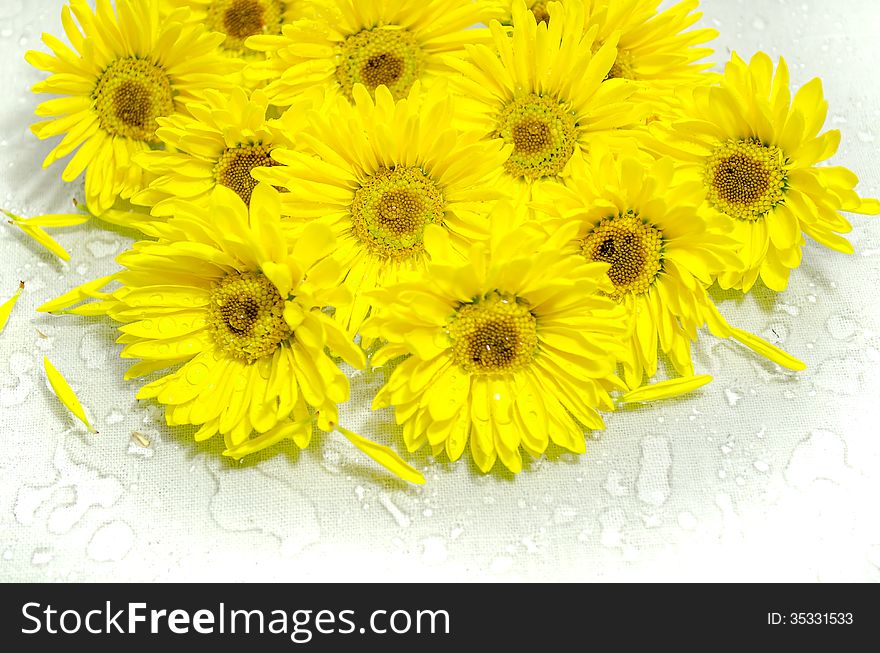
x=384, y=171
x=225, y=295
x=542, y=91
x=239, y=19
x=635, y=214
x=222, y=140
x=126, y=69
x=507, y=350
x=755, y=151
x=655, y=48
x=369, y=42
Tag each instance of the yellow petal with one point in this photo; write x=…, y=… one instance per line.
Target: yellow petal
x=90, y=289
x=666, y=389
x=761, y=346
x=388, y=458
x=65, y=394
x=6, y=309
x=44, y=239
x=54, y=220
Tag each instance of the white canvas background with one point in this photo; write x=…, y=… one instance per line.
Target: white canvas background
x=762, y=475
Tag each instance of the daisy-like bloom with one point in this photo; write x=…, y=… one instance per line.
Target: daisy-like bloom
x=632, y=213
x=224, y=294
x=369, y=42
x=656, y=50
x=225, y=138
x=384, y=171
x=542, y=91
x=508, y=350
x=755, y=150
x=126, y=69
x=239, y=19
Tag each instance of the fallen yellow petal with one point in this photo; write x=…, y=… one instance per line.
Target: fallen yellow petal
x=90, y=289
x=53, y=220
x=65, y=394
x=666, y=389
x=44, y=239
x=388, y=458
x=761, y=346
x=6, y=309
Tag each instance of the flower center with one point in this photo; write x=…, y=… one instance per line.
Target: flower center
x=746, y=178
x=233, y=169
x=239, y=19
x=633, y=247
x=494, y=334
x=131, y=93
x=391, y=210
x=541, y=12
x=543, y=133
x=246, y=316
x=381, y=55
x=623, y=67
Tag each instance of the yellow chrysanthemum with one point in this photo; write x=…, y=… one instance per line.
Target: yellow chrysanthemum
x=384, y=171
x=224, y=294
x=542, y=91
x=369, y=42
x=755, y=150
x=655, y=48
x=239, y=19
x=508, y=350
x=126, y=69
x=219, y=144
x=633, y=214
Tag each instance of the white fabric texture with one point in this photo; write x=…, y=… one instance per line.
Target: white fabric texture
x=762, y=475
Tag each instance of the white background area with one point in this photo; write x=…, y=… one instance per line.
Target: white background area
x=763, y=475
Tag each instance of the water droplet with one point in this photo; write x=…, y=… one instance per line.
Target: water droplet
x=113, y=417
x=762, y=466
x=873, y=555
x=434, y=550
x=400, y=517
x=111, y=542
x=7, y=554
x=687, y=521
x=197, y=373
x=564, y=515
x=732, y=397
x=501, y=565
x=42, y=556
x=614, y=485
x=653, y=482
x=841, y=327
x=611, y=521
x=820, y=456
x=866, y=137
x=759, y=23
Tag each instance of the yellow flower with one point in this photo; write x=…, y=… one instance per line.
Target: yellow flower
x=507, y=350
x=542, y=91
x=384, y=171
x=635, y=214
x=239, y=19
x=126, y=69
x=755, y=151
x=219, y=144
x=225, y=295
x=369, y=42
x=655, y=48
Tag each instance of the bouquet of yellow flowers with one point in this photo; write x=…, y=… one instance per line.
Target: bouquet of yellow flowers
x=518, y=208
